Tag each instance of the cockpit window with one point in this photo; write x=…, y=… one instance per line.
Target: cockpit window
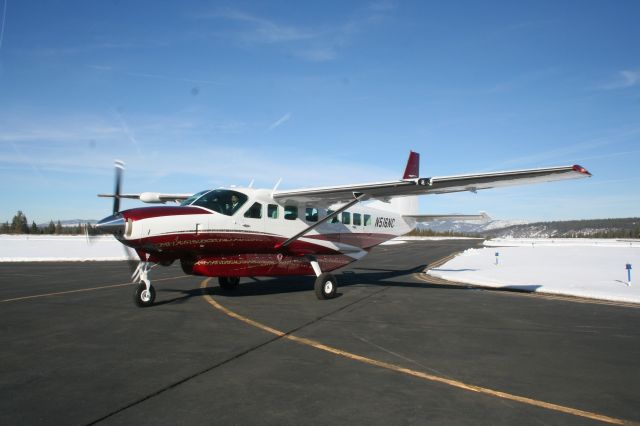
x=222, y=201
x=193, y=197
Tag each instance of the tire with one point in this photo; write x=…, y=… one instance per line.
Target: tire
x=229, y=283
x=326, y=286
x=142, y=298
x=187, y=265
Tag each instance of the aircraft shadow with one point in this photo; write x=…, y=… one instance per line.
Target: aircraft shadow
x=263, y=286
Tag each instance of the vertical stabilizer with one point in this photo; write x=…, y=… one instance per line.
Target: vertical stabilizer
x=412, y=171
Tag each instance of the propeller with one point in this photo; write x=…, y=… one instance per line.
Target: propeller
x=118, y=185
x=115, y=223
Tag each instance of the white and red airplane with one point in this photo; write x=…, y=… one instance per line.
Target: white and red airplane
x=245, y=232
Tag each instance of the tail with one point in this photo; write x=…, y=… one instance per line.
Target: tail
x=412, y=171
x=407, y=205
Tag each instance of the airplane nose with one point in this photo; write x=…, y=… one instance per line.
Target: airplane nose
x=114, y=224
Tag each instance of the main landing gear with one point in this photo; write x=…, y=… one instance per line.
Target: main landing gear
x=229, y=283
x=326, y=285
x=145, y=294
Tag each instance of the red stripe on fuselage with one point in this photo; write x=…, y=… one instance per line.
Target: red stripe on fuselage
x=159, y=211
x=203, y=243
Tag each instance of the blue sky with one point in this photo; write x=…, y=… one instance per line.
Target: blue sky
x=200, y=94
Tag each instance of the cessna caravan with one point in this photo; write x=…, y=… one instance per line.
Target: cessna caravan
x=246, y=232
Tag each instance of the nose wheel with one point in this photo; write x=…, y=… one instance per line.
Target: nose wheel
x=144, y=297
x=145, y=294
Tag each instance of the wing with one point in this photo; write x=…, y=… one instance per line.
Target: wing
x=430, y=185
x=150, y=197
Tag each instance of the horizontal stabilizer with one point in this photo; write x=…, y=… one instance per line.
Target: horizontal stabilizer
x=431, y=217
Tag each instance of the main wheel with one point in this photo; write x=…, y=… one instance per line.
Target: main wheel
x=326, y=286
x=142, y=297
x=229, y=283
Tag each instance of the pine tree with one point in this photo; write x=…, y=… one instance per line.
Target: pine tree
x=51, y=228
x=19, y=224
x=58, y=228
x=5, y=228
x=34, y=228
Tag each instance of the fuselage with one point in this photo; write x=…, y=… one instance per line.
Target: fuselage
x=236, y=232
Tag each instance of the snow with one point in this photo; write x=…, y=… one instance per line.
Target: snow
x=46, y=248
x=409, y=238
x=591, y=268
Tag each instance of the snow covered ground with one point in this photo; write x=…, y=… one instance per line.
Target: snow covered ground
x=42, y=248
x=593, y=268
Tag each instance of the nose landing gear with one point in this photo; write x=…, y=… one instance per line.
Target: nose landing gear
x=145, y=294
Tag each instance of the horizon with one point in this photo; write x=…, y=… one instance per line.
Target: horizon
x=202, y=95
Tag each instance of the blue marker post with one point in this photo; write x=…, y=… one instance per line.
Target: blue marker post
x=497, y=254
x=628, y=274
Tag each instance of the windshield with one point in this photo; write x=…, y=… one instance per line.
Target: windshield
x=193, y=198
x=222, y=201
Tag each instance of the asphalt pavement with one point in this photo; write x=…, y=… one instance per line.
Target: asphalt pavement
x=391, y=349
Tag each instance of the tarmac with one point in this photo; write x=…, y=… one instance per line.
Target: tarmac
x=395, y=347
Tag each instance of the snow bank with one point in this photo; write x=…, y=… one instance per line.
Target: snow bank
x=587, y=268
x=47, y=248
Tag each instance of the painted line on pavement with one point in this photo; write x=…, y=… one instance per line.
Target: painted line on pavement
x=82, y=290
x=414, y=373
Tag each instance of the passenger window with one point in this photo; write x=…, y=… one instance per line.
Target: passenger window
x=311, y=214
x=357, y=219
x=272, y=211
x=333, y=219
x=346, y=218
x=290, y=212
x=367, y=220
x=254, y=212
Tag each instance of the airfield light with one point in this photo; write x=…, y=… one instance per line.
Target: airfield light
x=628, y=274
x=497, y=254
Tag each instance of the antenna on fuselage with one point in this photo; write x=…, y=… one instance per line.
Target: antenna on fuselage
x=276, y=186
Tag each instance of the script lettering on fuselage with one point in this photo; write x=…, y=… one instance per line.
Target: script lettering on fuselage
x=385, y=222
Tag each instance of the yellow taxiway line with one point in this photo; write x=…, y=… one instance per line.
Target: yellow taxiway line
x=414, y=373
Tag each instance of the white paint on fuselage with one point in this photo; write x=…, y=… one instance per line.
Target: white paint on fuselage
x=385, y=224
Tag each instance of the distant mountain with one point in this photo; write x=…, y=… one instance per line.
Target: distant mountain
x=469, y=226
x=591, y=228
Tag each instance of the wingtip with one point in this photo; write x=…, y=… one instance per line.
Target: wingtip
x=578, y=168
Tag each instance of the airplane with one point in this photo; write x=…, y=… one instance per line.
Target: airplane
x=234, y=232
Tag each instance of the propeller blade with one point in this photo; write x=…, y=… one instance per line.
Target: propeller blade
x=133, y=263
x=116, y=192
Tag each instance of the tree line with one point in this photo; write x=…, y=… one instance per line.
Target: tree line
x=586, y=228
x=20, y=225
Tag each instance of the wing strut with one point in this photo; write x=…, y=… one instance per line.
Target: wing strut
x=358, y=196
